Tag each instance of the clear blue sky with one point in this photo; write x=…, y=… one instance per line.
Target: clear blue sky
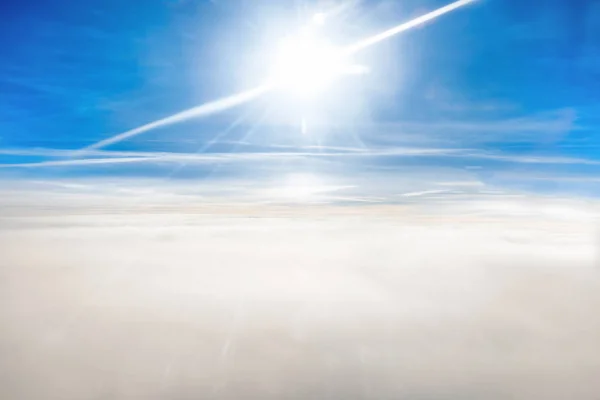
x=515, y=85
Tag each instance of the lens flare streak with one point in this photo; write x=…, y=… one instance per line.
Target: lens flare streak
x=361, y=44
x=202, y=110
x=226, y=103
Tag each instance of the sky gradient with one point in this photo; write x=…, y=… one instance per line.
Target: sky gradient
x=501, y=92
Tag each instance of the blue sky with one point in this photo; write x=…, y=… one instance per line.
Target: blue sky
x=504, y=93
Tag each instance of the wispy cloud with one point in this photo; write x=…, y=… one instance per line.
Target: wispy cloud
x=66, y=153
x=109, y=157
x=526, y=159
x=424, y=192
x=82, y=162
x=114, y=157
x=541, y=128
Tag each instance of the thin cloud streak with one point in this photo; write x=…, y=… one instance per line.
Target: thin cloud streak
x=163, y=157
x=81, y=162
x=539, y=126
x=533, y=159
x=220, y=157
x=67, y=153
x=425, y=192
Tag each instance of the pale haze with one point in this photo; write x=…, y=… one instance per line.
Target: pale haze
x=299, y=200
x=294, y=301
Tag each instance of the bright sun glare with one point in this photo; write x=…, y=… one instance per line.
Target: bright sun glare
x=306, y=64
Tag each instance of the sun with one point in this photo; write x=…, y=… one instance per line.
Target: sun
x=306, y=64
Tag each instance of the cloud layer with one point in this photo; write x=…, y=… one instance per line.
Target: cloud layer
x=287, y=303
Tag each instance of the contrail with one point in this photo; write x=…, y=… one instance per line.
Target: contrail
x=165, y=157
x=198, y=111
x=361, y=44
x=87, y=161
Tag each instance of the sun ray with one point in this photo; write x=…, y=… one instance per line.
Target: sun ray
x=202, y=110
x=248, y=134
x=314, y=67
x=208, y=144
x=367, y=42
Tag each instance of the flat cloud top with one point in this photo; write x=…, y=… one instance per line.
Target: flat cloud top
x=183, y=305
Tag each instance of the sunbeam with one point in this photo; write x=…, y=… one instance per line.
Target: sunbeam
x=246, y=136
x=361, y=44
x=202, y=110
x=208, y=144
x=304, y=66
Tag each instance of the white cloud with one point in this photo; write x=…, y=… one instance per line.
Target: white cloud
x=110, y=157
x=373, y=301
